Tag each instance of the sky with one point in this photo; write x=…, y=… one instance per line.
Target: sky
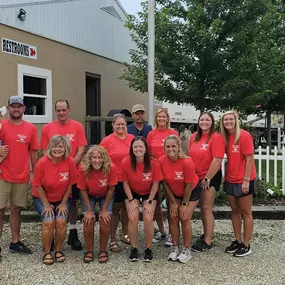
x=131, y=6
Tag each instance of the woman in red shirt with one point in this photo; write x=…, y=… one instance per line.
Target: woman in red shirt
x=141, y=175
x=207, y=150
x=155, y=141
x=183, y=189
x=97, y=180
x=54, y=176
x=239, y=181
x=118, y=147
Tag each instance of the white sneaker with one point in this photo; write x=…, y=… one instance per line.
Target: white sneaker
x=169, y=241
x=174, y=254
x=185, y=255
x=156, y=237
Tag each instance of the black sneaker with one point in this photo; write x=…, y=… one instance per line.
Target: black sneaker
x=233, y=247
x=243, y=250
x=73, y=240
x=134, y=256
x=201, y=246
x=200, y=238
x=148, y=257
x=19, y=247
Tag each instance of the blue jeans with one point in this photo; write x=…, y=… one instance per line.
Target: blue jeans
x=101, y=201
x=39, y=207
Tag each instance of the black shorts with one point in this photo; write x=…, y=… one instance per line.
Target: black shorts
x=120, y=195
x=235, y=189
x=142, y=198
x=195, y=194
x=75, y=192
x=216, y=180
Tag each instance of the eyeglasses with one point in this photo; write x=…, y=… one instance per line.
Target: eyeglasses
x=119, y=115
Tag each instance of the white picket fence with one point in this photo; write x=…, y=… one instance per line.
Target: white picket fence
x=264, y=155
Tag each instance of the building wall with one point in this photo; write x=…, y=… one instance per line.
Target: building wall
x=68, y=66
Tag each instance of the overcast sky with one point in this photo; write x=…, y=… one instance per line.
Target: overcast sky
x=132, y=6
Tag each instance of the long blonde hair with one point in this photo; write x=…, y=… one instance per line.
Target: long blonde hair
x=157, y=113
x=181, y=154
x=54, y=141
x=86, y=164
x=224, y=132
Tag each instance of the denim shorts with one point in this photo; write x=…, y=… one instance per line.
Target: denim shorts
x=195, y=193
x=39, y=207
x=93, y=200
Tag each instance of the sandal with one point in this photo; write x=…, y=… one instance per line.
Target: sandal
x=125, y=239
x=59, y=256
x=103, y=256
x=115, y=247
x=88, y=256
x=48, y=259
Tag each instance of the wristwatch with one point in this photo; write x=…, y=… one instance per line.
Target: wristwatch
x=246, y=178
x=207, y=179
x=149, y=201
x=184, y=203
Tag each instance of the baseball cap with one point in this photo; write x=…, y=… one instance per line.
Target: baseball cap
x=15, y=100
x=138, y=107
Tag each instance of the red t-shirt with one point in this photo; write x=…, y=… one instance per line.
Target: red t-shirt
x=236, y=161
x=155, y=141
x=117, y=149
x=73, y=130
x=97, y=183
x=15, y=168
x=202, y=153
x=54, y=177
x=139, y=181
x=177, y=173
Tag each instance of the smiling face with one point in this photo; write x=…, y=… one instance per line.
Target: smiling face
x=138, y=117
x=120, y=126
x=62, y=111
x=205, y=123
x=171, y=148
x=229, y=122
x=97, y=160
x=58, y=151
x=139, y=148
x=16, y=110
x=162, y=119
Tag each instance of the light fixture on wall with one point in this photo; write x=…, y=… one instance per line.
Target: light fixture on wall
x=22, y=14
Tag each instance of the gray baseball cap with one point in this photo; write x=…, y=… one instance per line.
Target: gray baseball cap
x=16, y=100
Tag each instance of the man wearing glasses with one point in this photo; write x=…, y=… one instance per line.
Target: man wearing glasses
x=138, y=128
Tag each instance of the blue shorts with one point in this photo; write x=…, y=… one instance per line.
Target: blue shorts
x=39, y=207
x=93, y=200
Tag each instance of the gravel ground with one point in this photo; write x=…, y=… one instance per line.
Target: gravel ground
x=264, y=266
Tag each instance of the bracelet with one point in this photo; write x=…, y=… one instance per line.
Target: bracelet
x=130, y=200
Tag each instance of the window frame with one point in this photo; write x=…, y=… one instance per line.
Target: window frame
x=40, y=73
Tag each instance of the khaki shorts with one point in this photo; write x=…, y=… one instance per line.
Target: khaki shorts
x=17, y=193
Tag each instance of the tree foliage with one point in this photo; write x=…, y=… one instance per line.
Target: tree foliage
x=214, y=54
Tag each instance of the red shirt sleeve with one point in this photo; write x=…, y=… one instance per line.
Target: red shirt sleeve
x=38, y=175
x=191, y=140
x=149, y=139
x=247, y=147
x=189, y=171
x=34, y=140
x=44, y=138
x=81, y=182
x=81, y=136
x=112, y=178
x=218, y=147
x=123, y=172
x=104, y=143
x=157, y=172
x=73, y=172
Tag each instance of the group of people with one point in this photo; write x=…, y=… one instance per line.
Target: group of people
x=125, y=174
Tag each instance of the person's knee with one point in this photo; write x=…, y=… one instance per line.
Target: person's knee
x=104, y=226
x=236, y=211
x=15, y=209
x=49, y=225
x=246, y=214
x=60, y=224
x=133, y=218
x=88, y=226
x=147, y=219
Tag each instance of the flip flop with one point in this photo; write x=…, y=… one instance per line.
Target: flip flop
x=114, y=247
x=88, y=256
x=48, y=259
x=59, y=256
x=103, y=255
x=125, y=239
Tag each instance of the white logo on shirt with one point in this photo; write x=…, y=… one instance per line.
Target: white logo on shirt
x=204, y=146
x=163, y=142
x=70, y=137
x=64, y=176
x=147, y=176
x=179, y=175
x=21, y=138
x=235, y=148
x=103, y=182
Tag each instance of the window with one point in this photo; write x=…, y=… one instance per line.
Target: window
x=35, y=86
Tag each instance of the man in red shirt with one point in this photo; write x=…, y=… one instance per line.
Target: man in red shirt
x=75, y=133
x=20, y=140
